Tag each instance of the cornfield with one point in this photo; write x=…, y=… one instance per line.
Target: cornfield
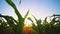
x=8, y=25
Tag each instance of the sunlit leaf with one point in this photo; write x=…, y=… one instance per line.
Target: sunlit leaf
x=30, y=19
x=35, y=18
x=16, y=11
x=26, y=15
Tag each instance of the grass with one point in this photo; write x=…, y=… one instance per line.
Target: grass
x=8, y=25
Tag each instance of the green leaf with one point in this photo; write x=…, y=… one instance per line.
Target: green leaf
x=11, y=3
x=13, y=19
x=30, y=19
x=53, y=21
x=35, y=18
x=39, y=22
x=20, y=18
x=45, y=20
x=33, y=25
x=26, y=15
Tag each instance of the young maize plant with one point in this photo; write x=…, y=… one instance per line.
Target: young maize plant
x=15, y=26
x=46, y=27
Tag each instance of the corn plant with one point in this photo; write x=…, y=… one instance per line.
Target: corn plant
x=15, y=28
x=39, y=27
x=46, y=27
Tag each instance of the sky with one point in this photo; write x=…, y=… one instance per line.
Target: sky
x=39, y=8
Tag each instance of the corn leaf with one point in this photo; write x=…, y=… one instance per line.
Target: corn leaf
x=19, y=2
x=35, y=18
x=26, y=15
x=45, y=21
x=39, y=22
x=16, y=11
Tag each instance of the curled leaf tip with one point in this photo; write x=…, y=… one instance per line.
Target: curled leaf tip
x=19, y=2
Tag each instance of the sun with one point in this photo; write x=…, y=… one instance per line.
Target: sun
x=26, y=29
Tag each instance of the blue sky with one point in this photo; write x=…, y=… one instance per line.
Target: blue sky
x=38, y=8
